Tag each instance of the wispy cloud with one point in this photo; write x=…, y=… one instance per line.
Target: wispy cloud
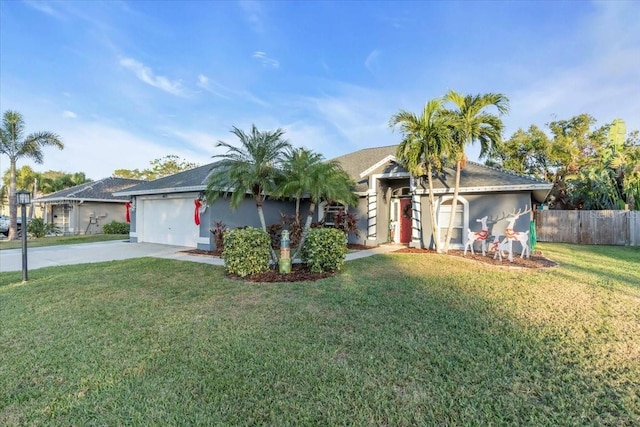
x=211, y=87
x=147, y=75
x=225, y=92
x=265, y=60
x=254, y=14
x=372, y=60
x=69, y=114
x=46, y=8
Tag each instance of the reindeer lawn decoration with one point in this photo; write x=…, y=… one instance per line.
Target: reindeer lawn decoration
x=499, y=247
x=516, y=236
x=474, y=236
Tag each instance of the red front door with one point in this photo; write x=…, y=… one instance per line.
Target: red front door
x=405, y=220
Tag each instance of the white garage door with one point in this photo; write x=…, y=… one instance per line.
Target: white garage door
x=169, y=221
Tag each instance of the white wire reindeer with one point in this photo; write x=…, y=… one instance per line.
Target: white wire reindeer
x=518, y=236
x=474, y=236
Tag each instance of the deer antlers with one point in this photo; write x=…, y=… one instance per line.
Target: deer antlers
x=514, y=214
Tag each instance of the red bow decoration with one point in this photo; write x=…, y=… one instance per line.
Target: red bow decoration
x=127, y=214
x=196, y=214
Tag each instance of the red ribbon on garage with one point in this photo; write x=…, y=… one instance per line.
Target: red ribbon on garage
x=196, y=214
x=127, y=215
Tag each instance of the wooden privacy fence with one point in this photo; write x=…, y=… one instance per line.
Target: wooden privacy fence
x=620, y=228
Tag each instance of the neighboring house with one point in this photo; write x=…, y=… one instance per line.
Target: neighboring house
x=164, y=210
x=85, y=208
x=393, y=206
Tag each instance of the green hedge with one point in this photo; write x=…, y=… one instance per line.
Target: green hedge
x=246, y=251
x=115, y=227
x=324, y=250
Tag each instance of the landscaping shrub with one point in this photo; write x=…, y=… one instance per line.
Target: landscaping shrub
x=347, y=222
x=246, y=251
x=218, y=230
x=38, y=228
x=115, y=227
x=324, y=250
x=287, y=222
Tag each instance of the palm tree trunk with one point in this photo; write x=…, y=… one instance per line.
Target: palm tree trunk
x=454, y=205
x=263, y=223
x=305, y=230
x=432, y=210
x=13, y=208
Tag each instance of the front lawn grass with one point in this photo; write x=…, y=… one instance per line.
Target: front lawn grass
x=397, y=340
x=61, y=240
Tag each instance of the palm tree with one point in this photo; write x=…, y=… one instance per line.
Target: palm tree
x=471, y=123
x=15, y=146
x=323, y=181
x=427, y=140
x=254, y=167
x=298, y=162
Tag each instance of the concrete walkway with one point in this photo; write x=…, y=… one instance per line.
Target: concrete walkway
x=51, y=256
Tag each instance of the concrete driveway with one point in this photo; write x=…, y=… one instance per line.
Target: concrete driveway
x=50, y=256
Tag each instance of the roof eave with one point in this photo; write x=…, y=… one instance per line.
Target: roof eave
x=76, y=200
x=491, y=188
x=162, y=191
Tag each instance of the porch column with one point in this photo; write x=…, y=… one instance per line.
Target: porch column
x=416, y=222
x=372, y=209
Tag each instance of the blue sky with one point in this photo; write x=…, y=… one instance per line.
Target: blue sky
x=124, y=83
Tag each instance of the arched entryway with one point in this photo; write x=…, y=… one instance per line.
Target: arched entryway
x=460, y=223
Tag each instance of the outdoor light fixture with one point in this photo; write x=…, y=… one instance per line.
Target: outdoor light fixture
x=23, y=198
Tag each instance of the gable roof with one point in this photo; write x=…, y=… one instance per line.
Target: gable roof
x=474, y=177
x=361, y=165
x=94, y=191
x=190, y=180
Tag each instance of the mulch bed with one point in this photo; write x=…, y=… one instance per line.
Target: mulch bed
x=300, y=273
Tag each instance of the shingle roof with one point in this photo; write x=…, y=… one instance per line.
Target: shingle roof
x=473, y=175
x=99, y=191
x=191, y=180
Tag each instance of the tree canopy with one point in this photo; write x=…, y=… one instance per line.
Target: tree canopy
x=15, y=145
x=164, y=166
x=591, y=167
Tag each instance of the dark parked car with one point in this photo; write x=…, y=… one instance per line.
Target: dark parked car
x=4, y=225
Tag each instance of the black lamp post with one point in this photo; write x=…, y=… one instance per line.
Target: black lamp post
x=23, y=198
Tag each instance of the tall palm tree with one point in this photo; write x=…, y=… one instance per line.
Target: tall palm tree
x=427, y=140
x=472, y=123
x=15, y=146
x=324, y=181
x=298, y=162
x=254, y=167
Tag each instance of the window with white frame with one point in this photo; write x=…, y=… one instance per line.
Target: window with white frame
x=460, y=222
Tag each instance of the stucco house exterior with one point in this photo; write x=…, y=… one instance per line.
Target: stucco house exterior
x=164, y=210
x=392, y=207
x=85, y=208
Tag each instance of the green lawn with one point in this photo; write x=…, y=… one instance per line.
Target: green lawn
x=395, y=340
x=62, y=240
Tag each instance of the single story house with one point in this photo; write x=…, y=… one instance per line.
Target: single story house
x=393, y=205
x=172, y=210
x=85, y=208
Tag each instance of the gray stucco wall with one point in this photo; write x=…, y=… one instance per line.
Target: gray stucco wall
x=245, y=215
x=497, y=206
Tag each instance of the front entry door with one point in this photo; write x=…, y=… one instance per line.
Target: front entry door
x=405, y=220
